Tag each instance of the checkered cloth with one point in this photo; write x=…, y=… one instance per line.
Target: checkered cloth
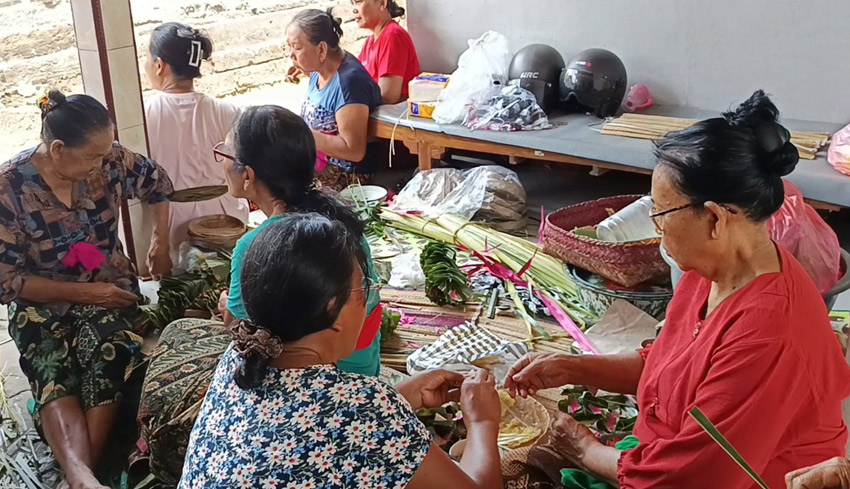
x=458, y=348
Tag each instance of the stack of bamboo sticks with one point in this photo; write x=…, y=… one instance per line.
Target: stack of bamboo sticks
x=642, y=126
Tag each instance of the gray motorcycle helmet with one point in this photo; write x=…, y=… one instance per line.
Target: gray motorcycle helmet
x=537, y=68
x=596, y=79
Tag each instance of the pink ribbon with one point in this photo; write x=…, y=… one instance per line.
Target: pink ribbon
x=86, y=254
x=501, y=271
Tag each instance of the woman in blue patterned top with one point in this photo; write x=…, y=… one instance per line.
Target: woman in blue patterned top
x=340, y=96
x=279, y=413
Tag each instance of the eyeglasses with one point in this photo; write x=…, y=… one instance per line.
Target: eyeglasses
x=656, y=215
x=370, y=284
x=221, y=155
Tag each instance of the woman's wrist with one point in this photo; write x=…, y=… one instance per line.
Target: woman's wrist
x=484, y=428
x=409, y=393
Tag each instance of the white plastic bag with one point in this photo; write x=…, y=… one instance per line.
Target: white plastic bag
x=406, y=271
x=484, y=64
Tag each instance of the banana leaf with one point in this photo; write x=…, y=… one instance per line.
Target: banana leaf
x=721, y=440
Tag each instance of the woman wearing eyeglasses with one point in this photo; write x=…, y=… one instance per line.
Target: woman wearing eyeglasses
x=183, y=124
x=269, y=158
x=747, y=337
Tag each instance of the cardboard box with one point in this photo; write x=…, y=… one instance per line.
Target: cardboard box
x=423, y=93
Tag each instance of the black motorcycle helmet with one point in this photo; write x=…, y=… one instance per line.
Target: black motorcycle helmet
x=537, y=68
x=596, y=79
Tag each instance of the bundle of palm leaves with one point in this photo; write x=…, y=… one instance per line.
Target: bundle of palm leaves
x=445, y=282
x=198, y=290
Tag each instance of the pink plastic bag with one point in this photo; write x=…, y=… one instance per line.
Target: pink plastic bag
x=839, y=151
x=798, y=228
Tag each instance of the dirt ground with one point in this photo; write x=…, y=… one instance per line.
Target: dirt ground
x=248, y=61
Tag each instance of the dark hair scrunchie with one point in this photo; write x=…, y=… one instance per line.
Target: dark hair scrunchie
x=249, y=339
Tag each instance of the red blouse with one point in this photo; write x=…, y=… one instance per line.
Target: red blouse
x=766, y=369
x=392, y=54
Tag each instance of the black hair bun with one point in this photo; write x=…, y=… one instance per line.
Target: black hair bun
x=395, y=9
x=782, y=161
x=53, y=99
x=336, y=22
x=56, y=97
x=758, y=114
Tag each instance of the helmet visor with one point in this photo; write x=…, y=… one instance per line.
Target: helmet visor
x=587, y=89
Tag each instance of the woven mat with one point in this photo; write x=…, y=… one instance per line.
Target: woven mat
x=430, y=321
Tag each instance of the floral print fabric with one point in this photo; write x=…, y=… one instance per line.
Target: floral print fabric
x=89, y=352
x=303, y=428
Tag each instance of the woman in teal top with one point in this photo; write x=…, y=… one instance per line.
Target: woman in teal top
x=270, y=159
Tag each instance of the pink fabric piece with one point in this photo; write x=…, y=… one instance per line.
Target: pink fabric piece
x=321, y=161
x=86, y=254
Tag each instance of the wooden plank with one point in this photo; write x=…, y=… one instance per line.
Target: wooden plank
x=823, y=206
x=419, y=137
x=437, y=142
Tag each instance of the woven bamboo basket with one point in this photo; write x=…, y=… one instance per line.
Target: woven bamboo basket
x=218, y=231
x=628, y=263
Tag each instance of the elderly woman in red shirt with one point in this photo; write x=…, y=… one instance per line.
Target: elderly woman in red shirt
x=747, y=337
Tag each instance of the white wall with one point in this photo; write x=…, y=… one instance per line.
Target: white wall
x=708, y=54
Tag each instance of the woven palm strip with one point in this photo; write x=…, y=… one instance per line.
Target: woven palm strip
x=408, y=338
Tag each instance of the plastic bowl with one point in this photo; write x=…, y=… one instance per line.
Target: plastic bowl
x=363, y=194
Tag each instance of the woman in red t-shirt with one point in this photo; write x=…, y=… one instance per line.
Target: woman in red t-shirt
x=389, y=54
x=747, y=337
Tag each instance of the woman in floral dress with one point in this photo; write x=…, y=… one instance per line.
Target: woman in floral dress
x=279, y=413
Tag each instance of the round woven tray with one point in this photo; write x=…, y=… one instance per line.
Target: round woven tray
x=218, y=231
x=627, y=263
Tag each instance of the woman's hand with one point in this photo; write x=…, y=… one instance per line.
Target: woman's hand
x=479, y=400
x=109, y=296
x=431, y=389
x=832, y=474
x=571, y=439
x=537, y=371
x=159, y=259
x=222, y=302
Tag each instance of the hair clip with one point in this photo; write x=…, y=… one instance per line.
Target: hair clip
x=196, y=54
x=45, y=104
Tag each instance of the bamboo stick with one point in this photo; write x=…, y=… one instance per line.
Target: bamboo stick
x=642, y=126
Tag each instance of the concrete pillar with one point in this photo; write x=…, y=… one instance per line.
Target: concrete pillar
x=110, y=70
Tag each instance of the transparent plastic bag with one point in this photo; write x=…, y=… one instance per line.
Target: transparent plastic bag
x=798, y=228
x=484, y=63
x=491, y=194
x=508, y=108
